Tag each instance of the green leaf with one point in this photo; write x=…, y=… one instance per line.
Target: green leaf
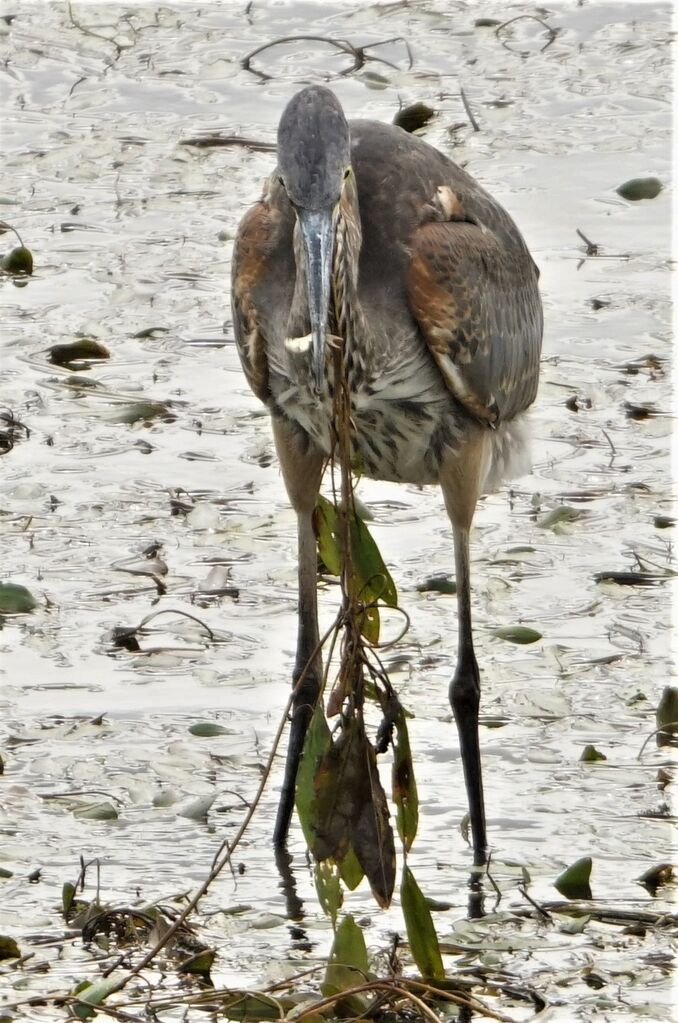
x=207, y=729
x=9, y=948
x=350, y=870
x=559, y=516
x=421, y=932
x=372, y=579
x=328, y=887
x=83, y=349
x=404, y=785
x=18, y=261
x=438, y=584
x=655, y=877
x=590, y=755
x=316, y=745
x=16, y=599
x=573, y=883
x=414, y=116
x=326, y=526
x=254, y=1008
x=141, y=411
x=67, y=896
x=103, y=811
x=199, y=964
x=640, y=188
x=347, y=966
x=667, y=717
x=517, y=634
x=90, y=995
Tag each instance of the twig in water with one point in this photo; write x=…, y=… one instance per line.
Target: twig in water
x=591, y=247
x=469, y=112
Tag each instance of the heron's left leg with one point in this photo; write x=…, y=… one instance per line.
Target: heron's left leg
x=461, y=482
x=302, y=466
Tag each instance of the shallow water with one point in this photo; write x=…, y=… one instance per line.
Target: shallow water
x=131, y=232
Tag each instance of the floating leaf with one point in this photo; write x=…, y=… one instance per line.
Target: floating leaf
x=9, y=948
x=253, y=1008
x=663, y=521
x=414, y=116
x=438, y=584
x=207, y=729
x=67, y=896
x=347, y=967
x=667, y=717
x=83, y=349
x=197, y=809
x=16, y=599
x=17, y=261
x=517, y=634
x=103, y=811
x=199, y=964
x=640, y=188
x=421, y=932
x=404, y=785
x=91, y=995
x=657, y=876
x=590, y=754
x=139, y=411
x=573, y=883
x=630, y=578
x=559, y=516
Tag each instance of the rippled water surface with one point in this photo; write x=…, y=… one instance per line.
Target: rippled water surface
x=131, y=235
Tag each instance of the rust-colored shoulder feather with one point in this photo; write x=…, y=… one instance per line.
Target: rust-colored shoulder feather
x=252, y=244
x=477, y=304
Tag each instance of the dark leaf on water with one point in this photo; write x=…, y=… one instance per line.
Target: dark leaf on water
x=246, y=1007
x=663, y=522
x=590, y=755
x=655, y=877
x=207, y=729
x=8, y=948
x=573, y=883
x=199, y=964
x=630, y=578
x=667, y=717
x=517, y=634
x=640, y=188
x=437, y=584
x=18, y=261
x=16, y=599
x=414, y=116
x=84, y=349
x=421, y=932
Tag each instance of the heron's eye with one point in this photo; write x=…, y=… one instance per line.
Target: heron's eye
x=347, y=173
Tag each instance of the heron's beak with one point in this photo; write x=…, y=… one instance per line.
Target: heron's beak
x=317, y=234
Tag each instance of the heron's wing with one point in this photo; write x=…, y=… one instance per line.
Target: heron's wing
x=477, y=304
x=251, y=252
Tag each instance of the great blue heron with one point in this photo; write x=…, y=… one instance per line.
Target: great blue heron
x=366, y=232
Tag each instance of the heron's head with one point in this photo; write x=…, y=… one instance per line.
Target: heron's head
x=314, y=157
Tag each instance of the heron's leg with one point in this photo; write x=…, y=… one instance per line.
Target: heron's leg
x=461, y=480
x=465, y=698
x=302, y=466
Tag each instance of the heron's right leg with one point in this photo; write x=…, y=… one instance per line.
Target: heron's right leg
x=461, y=481
x=302, y=466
